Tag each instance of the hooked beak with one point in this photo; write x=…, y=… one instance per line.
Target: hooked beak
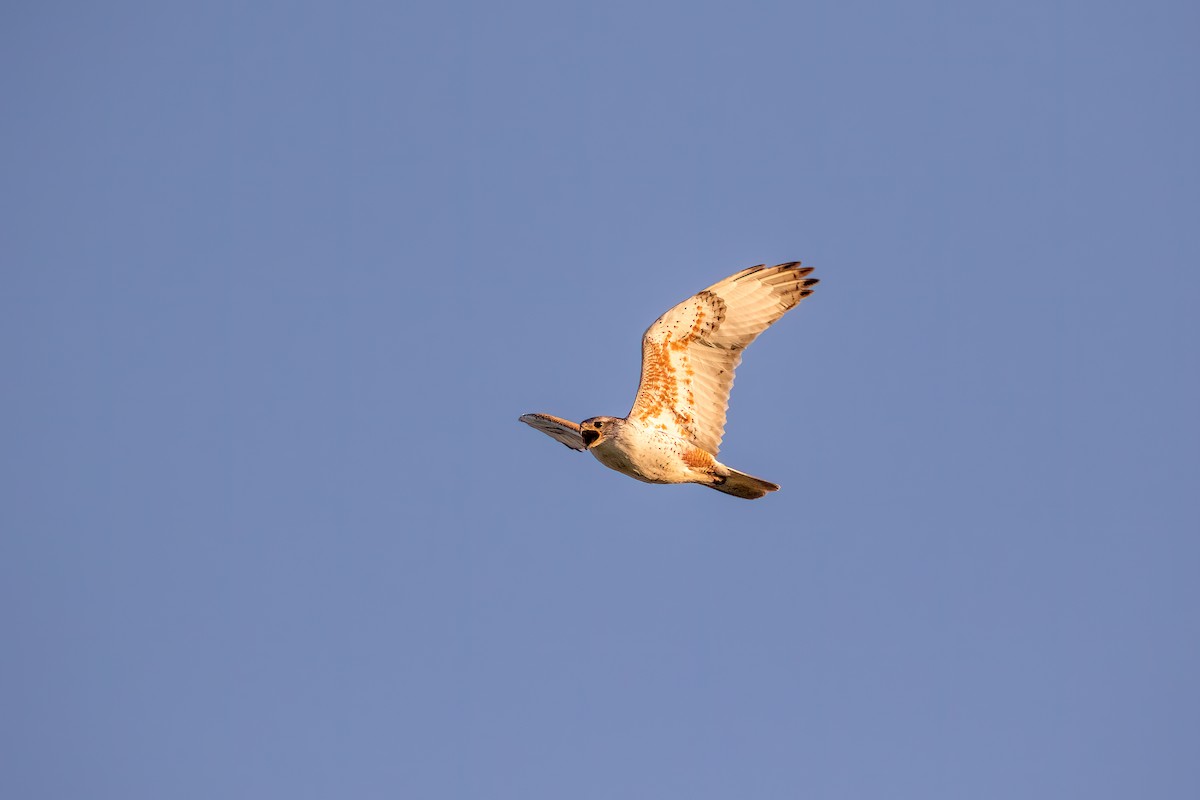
x=589, y=437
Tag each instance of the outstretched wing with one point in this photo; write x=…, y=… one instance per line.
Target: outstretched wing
x=563, y=430
x=690, y=353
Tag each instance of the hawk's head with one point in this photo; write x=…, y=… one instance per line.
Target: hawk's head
x=595, y=430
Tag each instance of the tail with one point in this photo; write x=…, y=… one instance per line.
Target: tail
x=739, y=484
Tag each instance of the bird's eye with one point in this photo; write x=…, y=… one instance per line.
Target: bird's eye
x=596, y=424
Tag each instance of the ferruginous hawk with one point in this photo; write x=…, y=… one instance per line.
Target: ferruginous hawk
x=673, y=432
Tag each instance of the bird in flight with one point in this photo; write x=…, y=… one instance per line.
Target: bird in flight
x=673, y=432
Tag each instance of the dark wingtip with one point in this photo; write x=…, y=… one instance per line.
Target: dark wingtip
x=748, y=271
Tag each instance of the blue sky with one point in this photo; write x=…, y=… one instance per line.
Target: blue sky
x=279, y=278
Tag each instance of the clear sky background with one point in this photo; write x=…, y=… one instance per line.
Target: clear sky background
x=279, y=278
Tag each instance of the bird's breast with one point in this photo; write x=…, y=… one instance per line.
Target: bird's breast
x=646, y=455
x=613, y=454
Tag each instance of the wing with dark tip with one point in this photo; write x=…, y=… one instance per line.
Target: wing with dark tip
x=689, y=353
x=563, y=430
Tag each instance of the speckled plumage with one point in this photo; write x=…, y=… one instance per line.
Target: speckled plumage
x=674, y=430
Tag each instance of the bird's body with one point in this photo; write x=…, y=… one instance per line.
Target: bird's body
x=650, y=454
x=673, y=432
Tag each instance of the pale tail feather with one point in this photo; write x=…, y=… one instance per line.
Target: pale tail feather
x=739, y=484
